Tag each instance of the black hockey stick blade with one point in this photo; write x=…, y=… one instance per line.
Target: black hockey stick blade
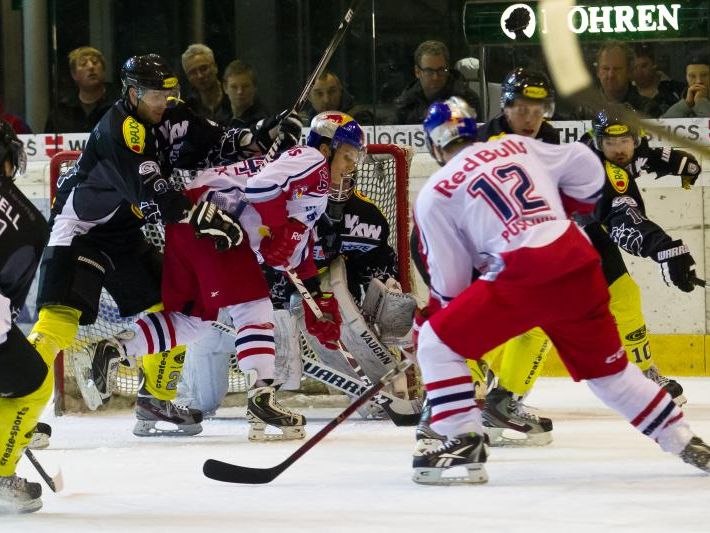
x=399, y=418
x=699, y=282
x=56, y=482
x=230, y=473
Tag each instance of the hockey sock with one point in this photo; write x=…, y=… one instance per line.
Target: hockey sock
x=255, y=344
x=522, y=361
x=449, y=387
x=162, y=372
x=55, y=330
x=648, y=407
x=158, y=332
x=625, y=305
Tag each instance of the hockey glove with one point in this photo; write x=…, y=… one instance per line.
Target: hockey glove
x=676, y=265
x=327, y=330
x=209, y=221
x=287, y=123
x=279, y=247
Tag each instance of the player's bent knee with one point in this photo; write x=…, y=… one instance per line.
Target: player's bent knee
x=23, y=368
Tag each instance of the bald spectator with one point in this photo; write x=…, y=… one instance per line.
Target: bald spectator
x=435, y=80
x=81, y=110
x=615, y=61
x=240, y=86
x=328, y=94
x=695, y=102
x=651, y=82
x=207, y=99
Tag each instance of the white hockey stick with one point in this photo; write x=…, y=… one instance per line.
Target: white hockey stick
x=55, y=482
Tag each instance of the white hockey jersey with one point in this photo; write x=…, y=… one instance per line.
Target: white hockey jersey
x=297, y=182
x=496, y=197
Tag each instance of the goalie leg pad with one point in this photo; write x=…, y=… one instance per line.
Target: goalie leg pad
x=289, y=364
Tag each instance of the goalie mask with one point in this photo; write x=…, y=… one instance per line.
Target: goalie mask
x=11, y=149
x=447, y=122
x=531, y=86
x=152, y=79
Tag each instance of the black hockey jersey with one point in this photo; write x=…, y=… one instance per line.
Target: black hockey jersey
x=123, y=175
x=23, y=236
x=621, y=209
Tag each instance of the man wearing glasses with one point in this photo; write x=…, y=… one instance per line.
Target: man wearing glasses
x=435, y=81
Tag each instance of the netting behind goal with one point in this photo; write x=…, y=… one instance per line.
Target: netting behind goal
x=383, y=176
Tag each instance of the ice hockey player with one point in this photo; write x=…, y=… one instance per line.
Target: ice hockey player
x=531, y=257
x=277, y=207
x=25, y=383
x=119, y=182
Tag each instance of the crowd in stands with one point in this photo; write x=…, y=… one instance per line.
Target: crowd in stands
x=624, y=75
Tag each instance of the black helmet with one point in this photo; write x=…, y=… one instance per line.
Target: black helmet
x=529, y=84
x=148, y=72
x=609, y=123
x=11, y=148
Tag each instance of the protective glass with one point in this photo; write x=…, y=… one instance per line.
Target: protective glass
x=160, y=97
x=533, y=110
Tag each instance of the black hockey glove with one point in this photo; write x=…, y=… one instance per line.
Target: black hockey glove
x=677, y=265
x=285, y=123
x=209, y=221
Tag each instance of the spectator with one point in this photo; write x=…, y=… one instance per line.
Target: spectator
x=614, y=63
x=328, y=94
x=240, y=86
x=19, y=126
x=208, y=99
x=81, y=110
x=652, y=83
x=435, y=81
x=695, y=103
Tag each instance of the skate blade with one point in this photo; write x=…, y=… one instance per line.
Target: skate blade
x=501, y=437
x=81, y=365
x=424, y=446
x=159, y=428
x=470, y=474
x=257, y=432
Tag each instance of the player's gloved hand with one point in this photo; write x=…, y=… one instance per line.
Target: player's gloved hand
x=326, y=330
x=279, y=247
x=209, y=221
x=677, y=265
x=287, y=123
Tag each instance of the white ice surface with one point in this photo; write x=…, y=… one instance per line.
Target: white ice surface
x=597, y=475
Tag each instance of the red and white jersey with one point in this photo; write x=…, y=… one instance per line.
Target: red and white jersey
x=293, y=186
x=496, y=197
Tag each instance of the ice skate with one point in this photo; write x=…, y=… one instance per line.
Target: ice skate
x=163, y=418
x=697, y=453
x=17, y=495
x=509, y=423
x=458, y=461
x=428, y=440
x=263, y=410
x=40, y=437
x=671, y=386
x=96, y=369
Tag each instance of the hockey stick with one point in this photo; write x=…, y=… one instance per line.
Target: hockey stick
x=56, y=482
x=232, y=473
x=320, y=67
x=572, y=79
x=699, y=282
x=384, y=399
x=400, y=411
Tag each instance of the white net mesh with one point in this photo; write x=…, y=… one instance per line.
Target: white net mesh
x=377, y=178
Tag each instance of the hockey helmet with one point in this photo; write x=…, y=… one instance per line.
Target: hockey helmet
x=610, y=123
x=531, y=85
x=11, y=148
x=150, y=76
x=448, y=121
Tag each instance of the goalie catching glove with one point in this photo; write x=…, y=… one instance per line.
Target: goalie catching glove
x=677, y=265
x=285, y=123
x=326, y=330
x=209, y=221
x=278, y=248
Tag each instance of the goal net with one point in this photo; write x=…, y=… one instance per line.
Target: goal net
x=383, y=176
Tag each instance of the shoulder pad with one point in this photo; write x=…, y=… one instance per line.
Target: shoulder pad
x=617, y=176
x=133, y=134
x=362, y=196
x=497, y=136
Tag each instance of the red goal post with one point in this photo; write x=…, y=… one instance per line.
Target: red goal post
x=383, y=176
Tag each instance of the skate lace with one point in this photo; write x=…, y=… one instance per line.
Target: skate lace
x=12, y=482
x=520, y=409
x=654, y=375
